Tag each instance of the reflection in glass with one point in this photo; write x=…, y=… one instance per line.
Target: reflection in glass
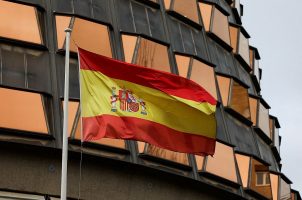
x=252, y=58
x=263, y=119
x=153, y=55
x=152, y=150
x=253, y=107
x=260, y=179
x=284, y=190
x=243, y=50
x=220, y=26
x=86, y=34
x=186, y=8
x=206, y=14
x=129, y=43
x=224, y=88
x=240, y=100
x=244, y=167
x=224, y=156
x=73, y=107
x=182, y=65
x=19, y=22
x=204, y=76
x=234, y=38
x=22, y=111
x=275, y=185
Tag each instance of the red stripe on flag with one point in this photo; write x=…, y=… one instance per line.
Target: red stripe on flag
x=159, y=80
x=131, y=128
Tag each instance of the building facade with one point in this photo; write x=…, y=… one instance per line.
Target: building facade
x=202, y=40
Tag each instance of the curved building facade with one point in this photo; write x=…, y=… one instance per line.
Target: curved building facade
x=202, y=40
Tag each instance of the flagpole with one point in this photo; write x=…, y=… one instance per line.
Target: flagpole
x=65, y=121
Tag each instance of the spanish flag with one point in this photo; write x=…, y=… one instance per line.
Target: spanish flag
x=126, y=101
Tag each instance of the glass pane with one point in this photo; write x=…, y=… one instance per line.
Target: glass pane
x=240, y=100
x=19, y=22
x=204, y=76
x=243, y=165
x=243, y=50
x=104, y=141
x=182, y=65
x=224, y=88
x=187, y=8
x=253, y=107
x=251, y=58
x=284, y=190
x=264, y=188
x=22, y=111
x=263, y=120
x=276, y=139
x=153, y=55
x=72, y=111
x=223, y=162
x=234, y=38
x=259, y=177
x=256, y=69
x=87, y=35
x=129, y=43
x=220, y=26
x=275, y=185
x=271, y=128
x=167, y=4
x=206, y=13
x=199, y=162
x=152, y=150
x=62, y=22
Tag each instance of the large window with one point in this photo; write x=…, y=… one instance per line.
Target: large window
x=240, y=45
x=285, y=193
x=197, y=71
x=256, y=176
x=275, y=186
x=20, y=22
x=144, y=52
x=22, y=111
x=215, y=22
x=88, y=35
x=224, y=156
x=74, y=128
x=234, y=96
x=263, y=119
x=186, y=8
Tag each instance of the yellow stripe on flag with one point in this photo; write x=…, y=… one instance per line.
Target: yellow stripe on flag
x=174, y=112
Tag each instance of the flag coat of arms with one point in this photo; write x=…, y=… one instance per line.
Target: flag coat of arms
x=125, y=101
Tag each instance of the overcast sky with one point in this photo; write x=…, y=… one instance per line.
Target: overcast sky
x=275, y=27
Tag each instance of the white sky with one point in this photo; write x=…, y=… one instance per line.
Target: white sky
x=275, y=27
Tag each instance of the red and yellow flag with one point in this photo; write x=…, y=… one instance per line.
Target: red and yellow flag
x=126, y=101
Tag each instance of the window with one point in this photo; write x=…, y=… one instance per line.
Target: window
x=198, y=72
x=244, y=166
x=275, y=185
x=186, y=8
x=263, y=119
x=87, y=35
x=253, y=107
x=152, y=150
x=222, y=163
x=262, y=179
x=22, y=111
x=146, y=53
x=284, y=190
x=20, y=22
x=236, y=5
x=239, y=100
x=234, y=96
x=240, y=44
x=215, y=22
x=74, y=128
